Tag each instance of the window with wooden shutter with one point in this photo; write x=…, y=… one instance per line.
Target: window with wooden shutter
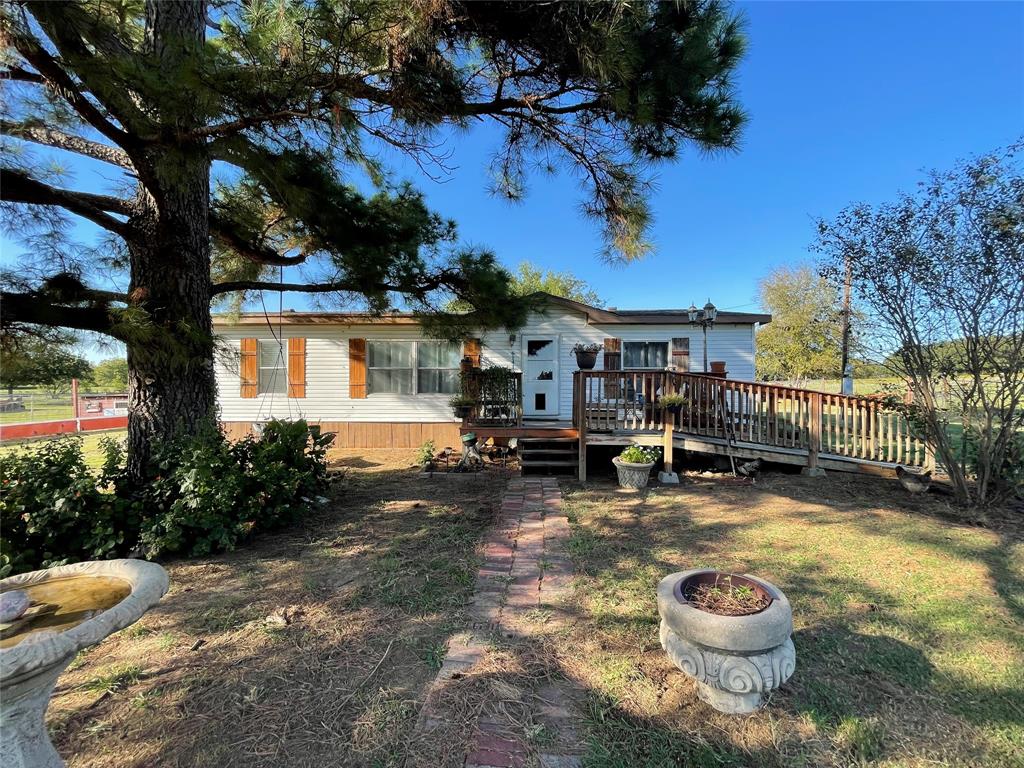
x=681, y=354
x=249, y=367
x=612, y=362
x=357, y=368
x=472, y=349
x=296, y=367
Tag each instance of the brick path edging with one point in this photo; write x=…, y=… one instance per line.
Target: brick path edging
x=525, y=569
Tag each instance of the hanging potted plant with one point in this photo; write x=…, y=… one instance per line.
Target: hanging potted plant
x=673, y=403
x=462, y=405
x=586, y=355
x=634, y=465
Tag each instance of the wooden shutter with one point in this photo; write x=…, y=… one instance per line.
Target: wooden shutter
x=681, y=354
x=296, y=367
x=357, y=368
x=612, y=362
x=249, y=367
x=471, y=348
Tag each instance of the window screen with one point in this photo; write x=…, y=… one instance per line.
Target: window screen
x=645, y=354
x=273, y=373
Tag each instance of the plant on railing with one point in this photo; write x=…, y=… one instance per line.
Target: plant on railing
x=586, y=355
x=462, y=405
x=674, y=403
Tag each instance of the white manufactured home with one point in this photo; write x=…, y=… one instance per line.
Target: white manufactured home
x=380, y=382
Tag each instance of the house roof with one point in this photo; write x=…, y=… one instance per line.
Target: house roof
x=594, y=315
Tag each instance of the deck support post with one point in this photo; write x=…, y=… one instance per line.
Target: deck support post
x=579, y=396
x=669, y=475
x=814, y=438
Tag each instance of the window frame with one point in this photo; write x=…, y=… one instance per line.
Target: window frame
x=282, y=367
x=414, y=368
x=668, y=354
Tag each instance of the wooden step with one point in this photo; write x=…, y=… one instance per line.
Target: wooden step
x=546, y=463
x=535, y=439
x=561, y=451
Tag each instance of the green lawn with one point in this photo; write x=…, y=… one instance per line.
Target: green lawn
x=907, y=628
x=45, y=411
x=90, y=445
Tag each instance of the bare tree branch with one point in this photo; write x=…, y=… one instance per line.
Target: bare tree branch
x=37, y=309
x=19, y=187
x=39, y=133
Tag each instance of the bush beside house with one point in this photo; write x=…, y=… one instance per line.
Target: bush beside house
x=205, y=495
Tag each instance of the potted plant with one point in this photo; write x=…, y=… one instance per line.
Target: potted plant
x=586, y=355
x=672, y=403
x=462, y=405
x=731, y=633
x=634, y=465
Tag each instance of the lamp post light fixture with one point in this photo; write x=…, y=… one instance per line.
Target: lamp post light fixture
x=705, y=318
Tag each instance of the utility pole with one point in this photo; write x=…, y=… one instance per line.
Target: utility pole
x=846, y=387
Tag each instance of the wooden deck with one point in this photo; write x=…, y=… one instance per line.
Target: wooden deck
x=746, y=420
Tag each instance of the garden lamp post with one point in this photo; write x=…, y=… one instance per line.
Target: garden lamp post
x=705, y=318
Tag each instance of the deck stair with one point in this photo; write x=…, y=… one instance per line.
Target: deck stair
x=548, y=455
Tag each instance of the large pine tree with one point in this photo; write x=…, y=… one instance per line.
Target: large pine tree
x=233, y=131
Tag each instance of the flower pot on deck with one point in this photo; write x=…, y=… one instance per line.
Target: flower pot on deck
x=735, y=659
x=632, y=475
x=586, y=360
x=463, y=411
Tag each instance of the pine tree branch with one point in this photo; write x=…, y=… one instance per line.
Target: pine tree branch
x=36, y=309
x=35, y=131
x=225, y=233
x=21, y=75
x=19, y=187
x=63, y=84
x=65, y=23
x=425, y=286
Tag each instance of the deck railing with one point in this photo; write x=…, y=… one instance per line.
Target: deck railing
x=498, y=398
x=772, y=415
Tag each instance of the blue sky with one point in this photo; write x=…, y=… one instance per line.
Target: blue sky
x=847, y=101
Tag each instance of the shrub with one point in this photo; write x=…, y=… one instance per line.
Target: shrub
x=425, y=454
x=204, y=495
x=53, y=510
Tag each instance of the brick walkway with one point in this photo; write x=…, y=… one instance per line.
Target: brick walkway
x=523, y=577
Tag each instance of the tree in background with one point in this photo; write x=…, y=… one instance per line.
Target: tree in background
x=529, y=279
x=246, y=133
x=111, y=375
x=940, y=274
x=804, y=338
x=48, y=362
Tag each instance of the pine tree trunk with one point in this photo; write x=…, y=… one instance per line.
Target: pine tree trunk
x=172, y=391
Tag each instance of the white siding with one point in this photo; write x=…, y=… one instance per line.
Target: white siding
x=327, y=365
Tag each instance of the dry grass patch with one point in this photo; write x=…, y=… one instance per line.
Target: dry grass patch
x=311, y=647
x=908, y=626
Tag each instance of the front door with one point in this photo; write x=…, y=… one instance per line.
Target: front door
x=540, y=376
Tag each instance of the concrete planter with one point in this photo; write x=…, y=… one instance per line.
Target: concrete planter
x=109, y=595
x=734, y=659
x=632, y=475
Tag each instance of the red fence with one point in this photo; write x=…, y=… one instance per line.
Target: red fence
x=48, y=428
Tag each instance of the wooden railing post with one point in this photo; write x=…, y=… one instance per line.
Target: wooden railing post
x=814, y=442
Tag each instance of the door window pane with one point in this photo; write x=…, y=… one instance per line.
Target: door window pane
x=645, y=354
x=273, y=375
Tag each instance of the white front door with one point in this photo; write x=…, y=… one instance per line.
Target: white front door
x=540, y=376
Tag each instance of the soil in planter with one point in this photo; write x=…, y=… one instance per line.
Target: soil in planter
x=724, y=599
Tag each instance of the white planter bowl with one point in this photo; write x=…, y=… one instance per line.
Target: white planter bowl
x=734, y=659
x=29, y=669
x=632, y=475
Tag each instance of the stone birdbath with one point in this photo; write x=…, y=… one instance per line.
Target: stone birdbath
x=60, y=611
x=735, y=659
